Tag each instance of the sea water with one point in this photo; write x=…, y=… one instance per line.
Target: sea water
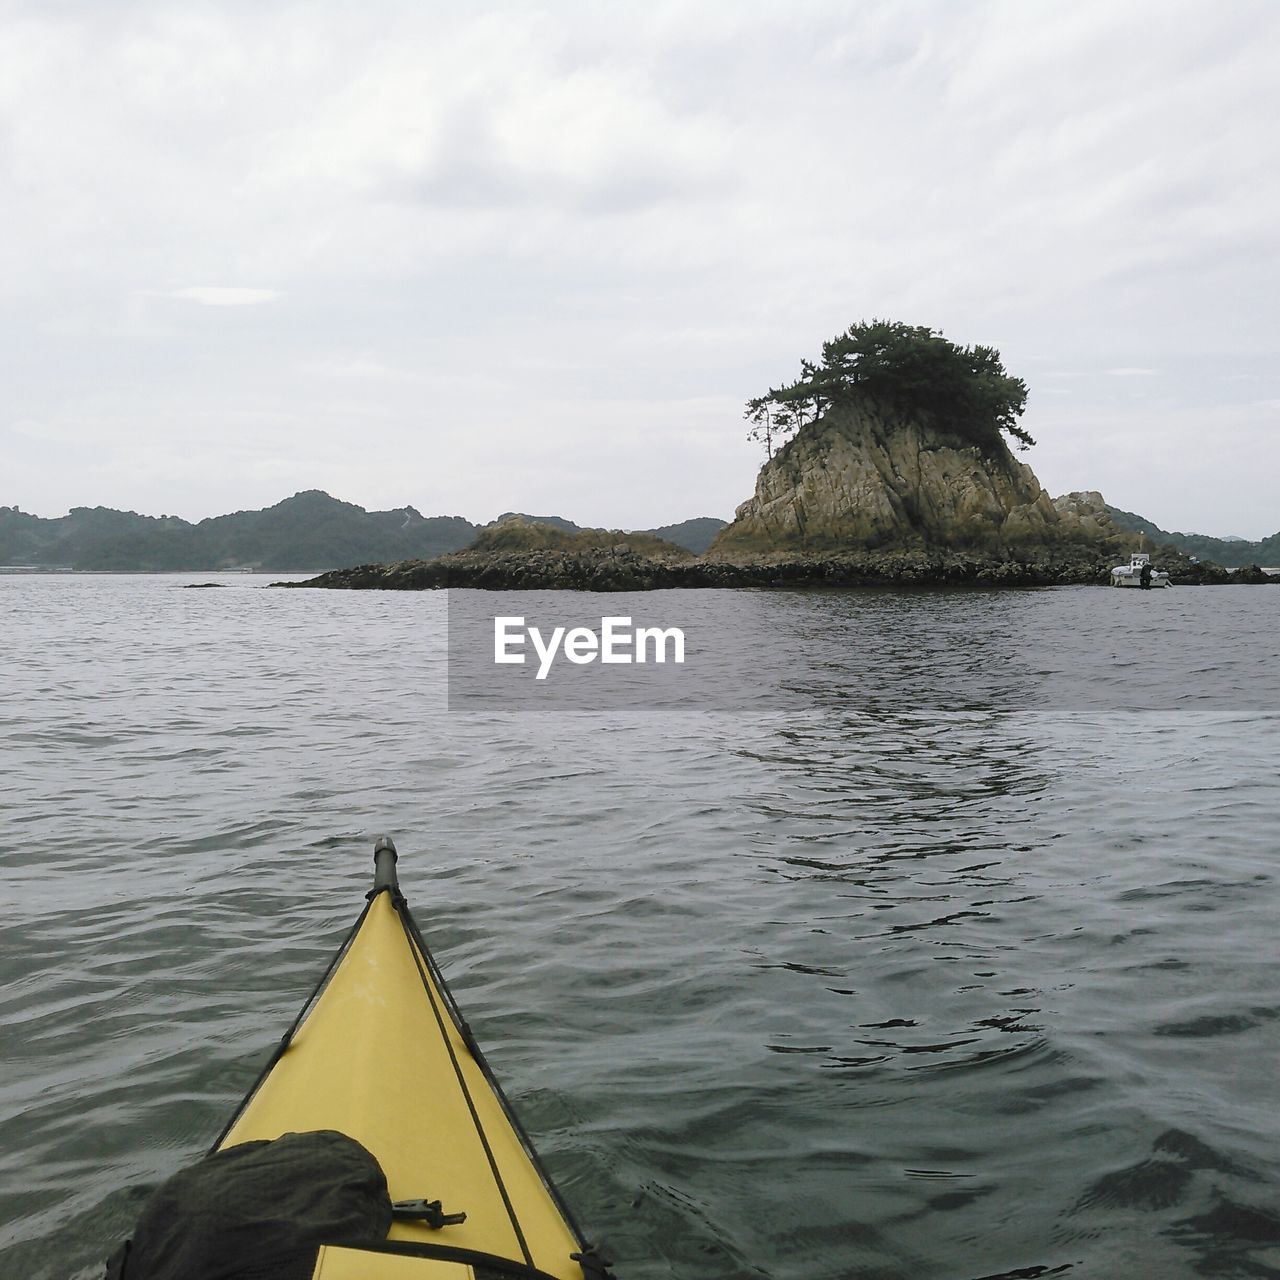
x=960, y=961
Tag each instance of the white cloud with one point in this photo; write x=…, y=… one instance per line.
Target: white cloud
x=524, y=245
x=363, y=366
x=219, y=295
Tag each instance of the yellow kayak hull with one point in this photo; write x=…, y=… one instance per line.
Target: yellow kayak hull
x=382, y=1054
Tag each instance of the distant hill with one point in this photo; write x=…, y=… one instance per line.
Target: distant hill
x=312, y=531
x=1231, y=552
x=695, y=535
x=309, y=531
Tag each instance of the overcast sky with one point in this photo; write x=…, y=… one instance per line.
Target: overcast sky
x=536, y=257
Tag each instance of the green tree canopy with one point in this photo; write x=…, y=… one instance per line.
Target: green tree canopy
x=961, y=390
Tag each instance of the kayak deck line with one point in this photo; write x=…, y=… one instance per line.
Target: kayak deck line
x=287, y=1039
x=380, y=1052
x=402, y=911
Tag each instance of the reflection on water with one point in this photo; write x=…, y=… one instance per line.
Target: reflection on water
x=957, y=964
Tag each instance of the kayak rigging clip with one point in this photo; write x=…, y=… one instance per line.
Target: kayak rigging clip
x=428, y=1211
x=594, y=1267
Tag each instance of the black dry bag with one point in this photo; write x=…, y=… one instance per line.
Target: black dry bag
x=259, y=1211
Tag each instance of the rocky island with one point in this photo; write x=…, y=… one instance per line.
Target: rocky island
x=891, y=467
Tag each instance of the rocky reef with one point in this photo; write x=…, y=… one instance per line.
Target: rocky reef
x=525, y=535
x=622, y=569
x=625, y=570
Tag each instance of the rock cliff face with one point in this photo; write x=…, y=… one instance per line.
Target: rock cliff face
x=864, y=478
x=1086, y=514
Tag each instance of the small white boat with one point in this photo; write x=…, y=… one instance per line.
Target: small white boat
x=1138, y=573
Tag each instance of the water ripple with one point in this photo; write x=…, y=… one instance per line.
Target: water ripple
x=959, y=967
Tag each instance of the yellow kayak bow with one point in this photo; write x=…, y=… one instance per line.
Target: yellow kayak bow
x=381, y=1053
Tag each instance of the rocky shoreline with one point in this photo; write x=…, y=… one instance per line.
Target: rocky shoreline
x=620, y=568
